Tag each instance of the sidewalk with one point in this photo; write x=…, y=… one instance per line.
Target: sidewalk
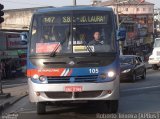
x=8, y=83
x=16, y=94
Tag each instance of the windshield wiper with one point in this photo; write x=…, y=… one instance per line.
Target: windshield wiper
x=53, y=53
x=88, y=48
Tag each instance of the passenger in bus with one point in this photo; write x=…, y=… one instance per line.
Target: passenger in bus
x=51, y=36
x=97, y=39
x=46, y=37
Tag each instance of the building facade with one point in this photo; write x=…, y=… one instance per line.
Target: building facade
x=137, y=17
x=15, y=22
x=157, y=22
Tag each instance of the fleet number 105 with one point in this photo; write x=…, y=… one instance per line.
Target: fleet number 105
x=93, y=71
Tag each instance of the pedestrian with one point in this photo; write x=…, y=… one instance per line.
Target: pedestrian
x=3, y=70
x=8, y=68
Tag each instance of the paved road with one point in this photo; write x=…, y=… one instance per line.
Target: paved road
x=139, y=97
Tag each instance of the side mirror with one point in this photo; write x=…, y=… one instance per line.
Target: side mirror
x=121, y=34
x=24, y=38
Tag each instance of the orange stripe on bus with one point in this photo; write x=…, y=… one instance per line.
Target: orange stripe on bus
x=45, y=72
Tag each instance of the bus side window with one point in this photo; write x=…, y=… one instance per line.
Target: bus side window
x=34, y=35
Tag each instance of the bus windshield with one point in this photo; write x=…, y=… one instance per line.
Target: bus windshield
x=72, y=32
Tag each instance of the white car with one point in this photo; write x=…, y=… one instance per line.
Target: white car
x=154, y=59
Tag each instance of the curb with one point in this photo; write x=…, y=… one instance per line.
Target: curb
x=12, y=86
x=18, y=98
x=12, y=101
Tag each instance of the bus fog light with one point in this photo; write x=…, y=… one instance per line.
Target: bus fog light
x=35, y=76
x=38, y=93
x=109, y=91
x=111, y=74
x=42, y=78
x=103, y=76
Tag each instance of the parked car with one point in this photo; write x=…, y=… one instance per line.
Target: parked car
x=132, y=67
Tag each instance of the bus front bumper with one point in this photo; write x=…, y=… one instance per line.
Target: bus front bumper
x=90, y=91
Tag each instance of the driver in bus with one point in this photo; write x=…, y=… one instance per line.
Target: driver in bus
x=97, y=39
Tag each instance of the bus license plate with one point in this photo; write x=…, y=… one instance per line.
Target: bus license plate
x=73, y=89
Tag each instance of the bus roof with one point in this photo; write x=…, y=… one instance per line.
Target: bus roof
x=69, y=8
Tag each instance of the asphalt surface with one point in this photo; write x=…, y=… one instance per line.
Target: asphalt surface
x=136, y=98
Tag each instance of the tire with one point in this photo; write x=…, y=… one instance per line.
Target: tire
x=133, y=77
x=144, y=75
x=112, y=106
x=41, y=108
x=155, y=67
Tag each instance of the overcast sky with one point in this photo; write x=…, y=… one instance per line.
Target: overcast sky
x=16, y=4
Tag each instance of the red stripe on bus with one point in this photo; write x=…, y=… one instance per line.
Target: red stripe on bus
x=45, y=72
x=70, y=72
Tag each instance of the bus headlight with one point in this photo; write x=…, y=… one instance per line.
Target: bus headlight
x=35, y=77
x=111, y=74
x=43, y=78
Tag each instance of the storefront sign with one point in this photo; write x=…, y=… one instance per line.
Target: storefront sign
x=14, y=42
x=126, y=18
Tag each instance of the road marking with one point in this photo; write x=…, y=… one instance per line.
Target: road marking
x=149, y=87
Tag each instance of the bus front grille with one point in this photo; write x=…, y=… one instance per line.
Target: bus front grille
x=62, y=95
x=88, y=94
x=58, y=95
x=77, y=79
x=58, y=79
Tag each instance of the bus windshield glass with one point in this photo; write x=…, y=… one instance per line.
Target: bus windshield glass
x=73, y=32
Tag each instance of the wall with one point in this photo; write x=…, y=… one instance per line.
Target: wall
x=17, y=19
x=3, y=40
x=132, y=9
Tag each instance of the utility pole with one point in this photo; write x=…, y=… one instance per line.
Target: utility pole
x=120, y=42
x=117, y=14
x=74, y=3
x=1, y=21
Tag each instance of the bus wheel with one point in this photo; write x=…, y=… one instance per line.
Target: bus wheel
x=41, y=108
x=112, y=106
